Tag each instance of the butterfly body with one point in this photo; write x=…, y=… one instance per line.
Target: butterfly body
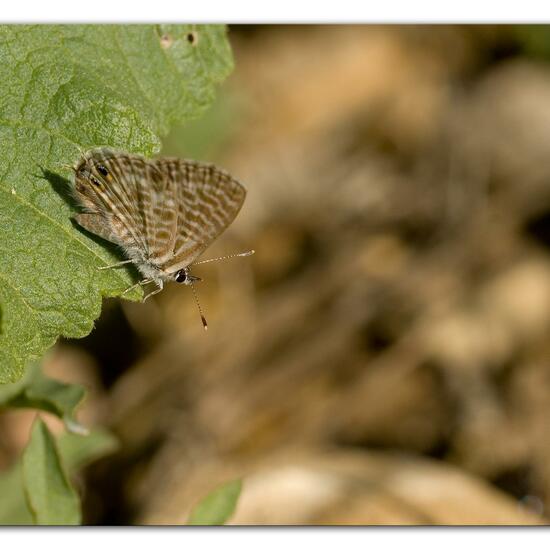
x=163, y=213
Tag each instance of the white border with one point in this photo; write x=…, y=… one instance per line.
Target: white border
x=279, y=11
x=242, y=538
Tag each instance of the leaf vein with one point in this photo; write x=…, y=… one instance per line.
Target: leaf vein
x=54, y=222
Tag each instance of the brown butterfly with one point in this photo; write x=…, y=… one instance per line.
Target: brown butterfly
x=164, y=213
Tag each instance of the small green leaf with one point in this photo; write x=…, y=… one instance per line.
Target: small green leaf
x=76, y=452
x=534, y=40
x=50, y=496
x=37, y=391
x=13, y=506
x=218, y=507
x=65, y=88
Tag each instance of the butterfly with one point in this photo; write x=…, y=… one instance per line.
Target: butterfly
x=163, y=213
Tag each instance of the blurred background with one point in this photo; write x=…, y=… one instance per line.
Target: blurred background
x=384, y=357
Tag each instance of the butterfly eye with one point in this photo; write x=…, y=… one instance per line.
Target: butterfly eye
x=102, y=170
x=181, y=276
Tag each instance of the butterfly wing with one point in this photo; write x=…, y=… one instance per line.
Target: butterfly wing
x=163, y=212
x=94, y=223
x=134, y=199
x=208, y=200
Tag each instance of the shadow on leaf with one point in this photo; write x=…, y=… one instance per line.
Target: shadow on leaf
x=63, y=187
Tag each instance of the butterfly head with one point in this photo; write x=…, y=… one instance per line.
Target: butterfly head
x=184, y=277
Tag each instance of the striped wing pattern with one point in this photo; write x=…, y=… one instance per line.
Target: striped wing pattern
x=209, y=199
x=169, y=210
x=127, y=196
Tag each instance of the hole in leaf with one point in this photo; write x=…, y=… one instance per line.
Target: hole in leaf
x=192, y=38
x=166, y=41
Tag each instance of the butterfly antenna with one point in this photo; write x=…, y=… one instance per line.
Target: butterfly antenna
x=240, y=254
x=195, y=296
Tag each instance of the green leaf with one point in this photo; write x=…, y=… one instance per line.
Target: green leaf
x=534, y=40
x=218, y=507
x=202, y=139
x=76, y=452
x=37, y=391
x=50, y=497
x=64, y=88
x=13, y=506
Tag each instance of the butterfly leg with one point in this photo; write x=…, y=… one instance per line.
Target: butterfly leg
x=140, y=283
x=159, y=288
x=118, y=264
